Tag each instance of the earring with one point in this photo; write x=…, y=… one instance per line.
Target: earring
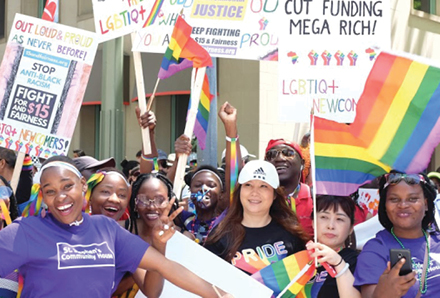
x=350, y=244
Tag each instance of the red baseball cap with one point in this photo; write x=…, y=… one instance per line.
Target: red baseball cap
x=276, y=142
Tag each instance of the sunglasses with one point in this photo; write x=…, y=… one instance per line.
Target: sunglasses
x=396, y=178
x=158, y=202
x=273, y=153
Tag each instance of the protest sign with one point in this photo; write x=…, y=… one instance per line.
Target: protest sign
x=43, y=77
x=242, y=29
x=211, y=268
x=326, y=51
x=369, y=199
x=115, y=18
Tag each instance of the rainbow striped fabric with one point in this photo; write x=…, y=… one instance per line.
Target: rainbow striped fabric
x=278, y=275
x=397, y=126
x=182, y=52
x=153, y=13
x=202, y=119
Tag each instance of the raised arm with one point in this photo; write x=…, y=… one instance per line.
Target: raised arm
x=148, y=119
x=228, y=115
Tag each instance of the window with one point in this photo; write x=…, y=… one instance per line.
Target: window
x=428, y=6
x=2, y=18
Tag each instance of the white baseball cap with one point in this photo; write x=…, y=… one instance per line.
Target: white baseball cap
x=259, y=170
x=243, y=150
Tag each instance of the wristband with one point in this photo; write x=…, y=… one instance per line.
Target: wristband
x=338, y=263
x=231, y=139
x=144, y=157
x=342, y=271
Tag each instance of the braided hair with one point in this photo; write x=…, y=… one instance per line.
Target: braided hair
x=13, y=207
x=135, y=190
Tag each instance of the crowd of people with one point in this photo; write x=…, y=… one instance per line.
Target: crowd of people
x=87, y=228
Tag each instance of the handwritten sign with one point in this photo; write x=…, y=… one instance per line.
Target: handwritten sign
x=242, y=29
x=327, y=49
x=115, y=18
x=43, y=77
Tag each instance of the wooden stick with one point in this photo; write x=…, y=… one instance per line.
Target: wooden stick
x=295, y=279
x=150, y=101
x=216, y=291
x=141, y=95
x=17, y=170
x=313, y=173
x=196, y=91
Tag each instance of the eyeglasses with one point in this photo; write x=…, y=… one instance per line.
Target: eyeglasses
x=410, y=179
x=273, y=153
x=158, y=202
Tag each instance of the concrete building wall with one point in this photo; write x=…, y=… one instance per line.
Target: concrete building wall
x=238, y=82
x=251, y=86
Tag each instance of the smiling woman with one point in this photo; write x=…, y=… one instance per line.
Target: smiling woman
x=406, y=211
x=259, y=224
x=67, y=248
x=108, y=193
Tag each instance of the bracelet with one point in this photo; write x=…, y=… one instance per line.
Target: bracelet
x=342, y=271
x=144, y=157
x=231, y=139
x=340, y=262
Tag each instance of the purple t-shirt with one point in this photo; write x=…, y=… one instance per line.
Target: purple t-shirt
x=57, y=259
x=373, y=259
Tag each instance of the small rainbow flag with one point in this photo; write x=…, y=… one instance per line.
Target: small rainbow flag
x=182, y=52
x=397, y=126
x=278, y=275
x=202, y=119
x=153, y=13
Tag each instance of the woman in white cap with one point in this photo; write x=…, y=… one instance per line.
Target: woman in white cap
x=259, y=226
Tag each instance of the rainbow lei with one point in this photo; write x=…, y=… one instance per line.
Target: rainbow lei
x=234, y=167
x=33, y=207
x=94, y=180
x=5, y=212
x=156, y=164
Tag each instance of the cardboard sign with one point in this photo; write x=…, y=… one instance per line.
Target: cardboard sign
x=212, y=269
x=327, y=49
x=43, y=77
x=242, y=29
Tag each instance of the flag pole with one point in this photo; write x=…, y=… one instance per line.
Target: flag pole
x=196, y=90
x=295, y=279
x=150, y=101
x=141, y=95
x=313, y=170
x=17, y=170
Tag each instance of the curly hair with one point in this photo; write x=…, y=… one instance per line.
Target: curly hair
x=429, y=193
x=231, y=227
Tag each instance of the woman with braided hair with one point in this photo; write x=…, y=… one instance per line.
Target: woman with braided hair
x=151, y=195
x=62, y=252
x=109, y=194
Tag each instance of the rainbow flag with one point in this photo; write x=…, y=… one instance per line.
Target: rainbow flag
x=182, y=52
x=278, y=275
x=397, y=126
x=153, y=13
x=202, y=119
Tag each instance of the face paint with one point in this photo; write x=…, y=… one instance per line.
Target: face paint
x=201, y=197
